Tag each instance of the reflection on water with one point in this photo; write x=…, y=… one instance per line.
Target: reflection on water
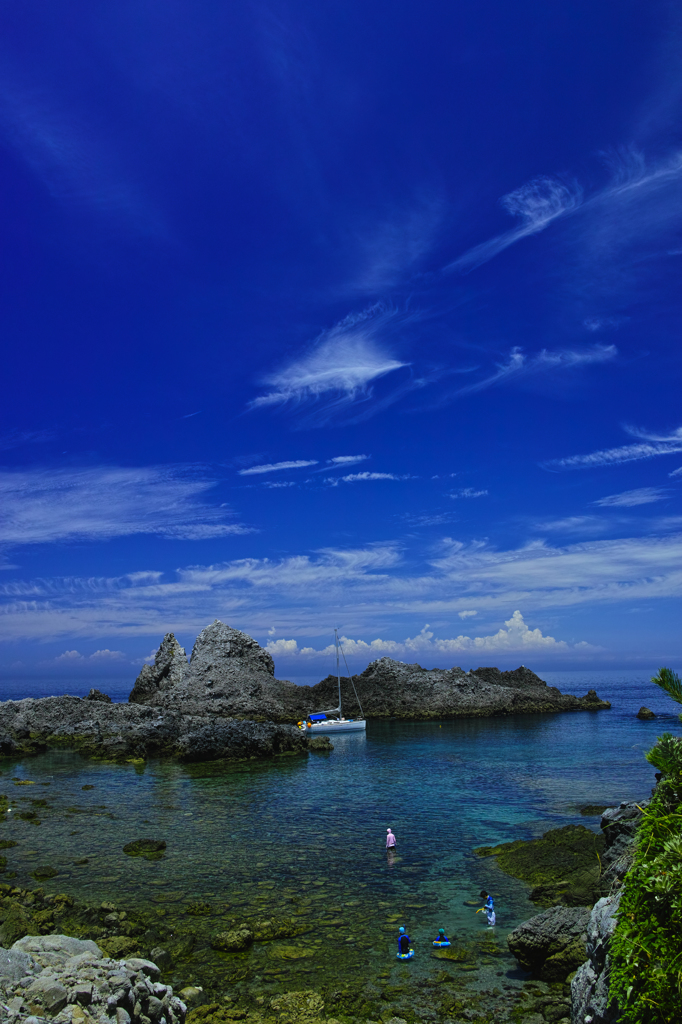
x=305, y=837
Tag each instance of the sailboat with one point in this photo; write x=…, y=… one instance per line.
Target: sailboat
x=320, y=724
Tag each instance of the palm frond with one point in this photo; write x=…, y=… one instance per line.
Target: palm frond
x=670, y=682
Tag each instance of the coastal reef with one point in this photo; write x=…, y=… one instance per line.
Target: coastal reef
x=128, y=731
x=232, y=675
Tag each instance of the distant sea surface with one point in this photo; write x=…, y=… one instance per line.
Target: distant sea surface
x=306, y=835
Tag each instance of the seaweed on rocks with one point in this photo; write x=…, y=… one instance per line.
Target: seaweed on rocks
x=564, y=866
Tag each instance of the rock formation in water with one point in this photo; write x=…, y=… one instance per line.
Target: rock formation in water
x=393, y=689
x=230, y=674
x=123, y=731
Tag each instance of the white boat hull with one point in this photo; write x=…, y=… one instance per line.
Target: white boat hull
x=335, y=725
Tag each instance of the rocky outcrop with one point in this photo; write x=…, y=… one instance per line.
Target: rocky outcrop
x=121, y=731
x=229, y=674
x=71, y=981
x=645, y=713
x=392, y=689
x=619, y=827
x=551, y=944
x=590, y=986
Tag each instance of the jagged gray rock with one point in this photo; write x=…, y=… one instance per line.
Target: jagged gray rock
x=168, y=671
x=196, y=710
x=619, y=825
x=590, y=986
x=551, y=944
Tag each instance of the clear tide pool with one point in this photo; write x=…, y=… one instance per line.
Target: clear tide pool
x=305, y=836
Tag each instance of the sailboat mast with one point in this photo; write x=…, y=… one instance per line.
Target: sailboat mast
x=338, y=670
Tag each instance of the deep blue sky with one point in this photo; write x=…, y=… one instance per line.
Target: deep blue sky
x=428, y=254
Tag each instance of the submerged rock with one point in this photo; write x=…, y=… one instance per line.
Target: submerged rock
x=149, y=848
x=564, y=866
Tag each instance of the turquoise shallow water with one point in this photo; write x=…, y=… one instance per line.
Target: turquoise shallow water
x=306, y=835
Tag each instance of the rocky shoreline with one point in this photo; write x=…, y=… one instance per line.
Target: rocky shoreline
x=99, y=728
x=226, y=703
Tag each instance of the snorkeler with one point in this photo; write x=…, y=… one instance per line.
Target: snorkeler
x=403, y=942
x=441, y=939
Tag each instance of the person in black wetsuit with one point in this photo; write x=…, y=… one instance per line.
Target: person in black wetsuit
x=403, y=942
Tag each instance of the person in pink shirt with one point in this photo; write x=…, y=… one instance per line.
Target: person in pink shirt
x=390, y=840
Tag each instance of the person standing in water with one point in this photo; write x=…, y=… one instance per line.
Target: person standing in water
x=390, y=840
x=489, y=907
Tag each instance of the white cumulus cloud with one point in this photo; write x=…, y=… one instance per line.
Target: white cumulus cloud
x=516, y=636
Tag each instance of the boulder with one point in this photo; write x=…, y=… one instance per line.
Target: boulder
x=48, y=993
x=66, y=945
x=619, y=825
x=14, y=964
x=552, y=944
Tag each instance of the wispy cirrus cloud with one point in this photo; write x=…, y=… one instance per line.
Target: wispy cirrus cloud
x=636, y=185
x=276, y=467
x=347, y=460
x=44, y=506
x=651, y=446
x=467, y=492
x=352, y=478
x=536, y=204
x=73, y=156
x=630, y=499
x=339, y=370
x=374, y=591
x=520, y=365
x=396, y=245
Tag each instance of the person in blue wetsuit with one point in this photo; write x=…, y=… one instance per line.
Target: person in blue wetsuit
x=441, y=937
x=403, y=942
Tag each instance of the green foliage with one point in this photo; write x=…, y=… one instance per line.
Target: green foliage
x=646, y=952
x=670, y=682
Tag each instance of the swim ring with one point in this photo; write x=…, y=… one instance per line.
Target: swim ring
x=442, y=943
x=405, y=956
